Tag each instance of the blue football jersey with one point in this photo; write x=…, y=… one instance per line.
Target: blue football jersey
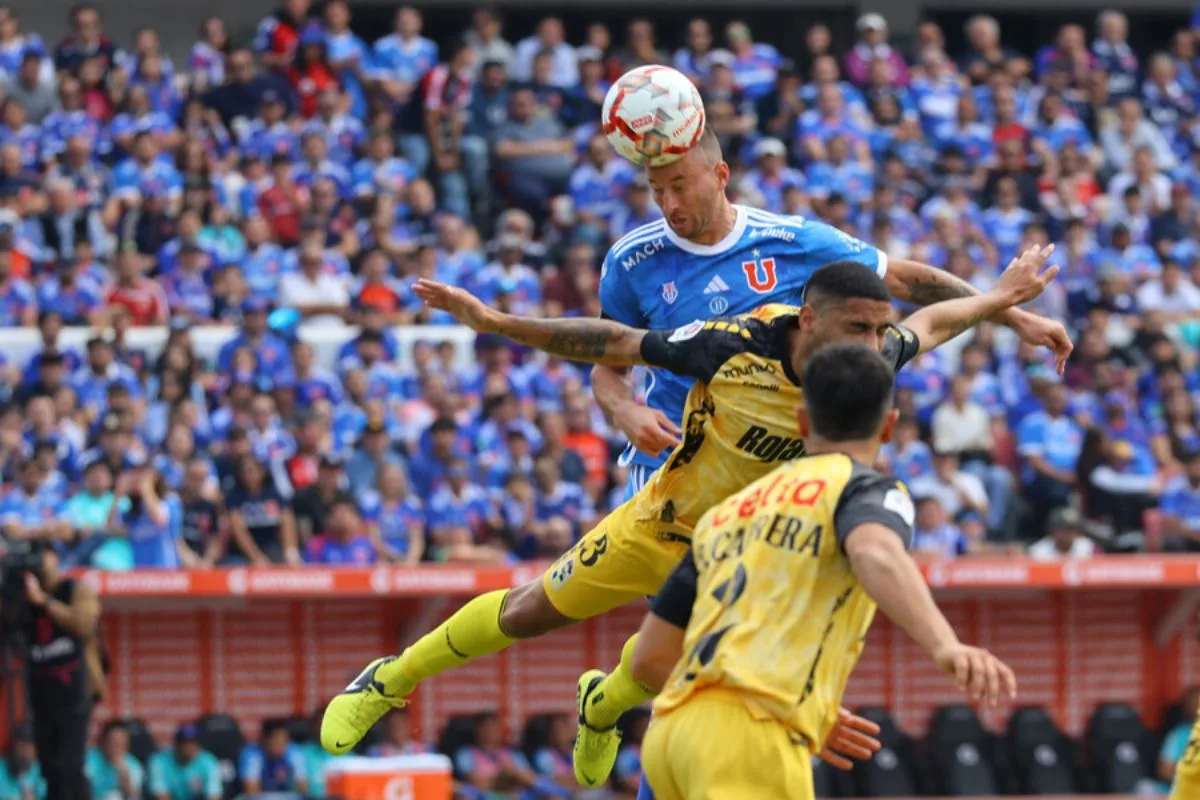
x=654, y=279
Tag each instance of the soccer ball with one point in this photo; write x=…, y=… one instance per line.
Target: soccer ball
x=653, y=115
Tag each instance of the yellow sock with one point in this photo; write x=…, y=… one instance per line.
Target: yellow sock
x=617, y=693
x=473, y=631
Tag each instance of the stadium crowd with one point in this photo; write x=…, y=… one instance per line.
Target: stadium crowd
x=307, y=179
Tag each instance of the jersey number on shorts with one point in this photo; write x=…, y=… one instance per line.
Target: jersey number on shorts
x=760, y=275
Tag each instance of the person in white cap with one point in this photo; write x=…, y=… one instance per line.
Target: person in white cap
x=771, y=176
x=872, y=44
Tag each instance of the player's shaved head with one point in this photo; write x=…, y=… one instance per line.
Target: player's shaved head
x=709, y=148
x=847, y=392
x=690, y=191
x=842, y=281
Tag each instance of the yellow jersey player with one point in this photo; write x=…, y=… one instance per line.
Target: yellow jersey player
x=762, y=622
x=741, y=422
x=1186, y=785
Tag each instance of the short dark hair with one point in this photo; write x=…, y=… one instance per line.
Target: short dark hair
x=845, y=280
x=847, y=391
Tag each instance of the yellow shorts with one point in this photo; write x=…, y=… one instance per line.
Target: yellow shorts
x=1187, y=772
x=622, y=559
x=712, y=748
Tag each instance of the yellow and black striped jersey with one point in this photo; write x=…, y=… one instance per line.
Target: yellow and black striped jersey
x=770, y=605
x=740, y=416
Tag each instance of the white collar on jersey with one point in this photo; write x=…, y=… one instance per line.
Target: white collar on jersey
x=739, y=227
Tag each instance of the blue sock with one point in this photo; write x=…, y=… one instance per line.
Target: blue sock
x=644, y=790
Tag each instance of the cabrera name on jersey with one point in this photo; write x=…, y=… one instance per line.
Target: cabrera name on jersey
x=656, y=280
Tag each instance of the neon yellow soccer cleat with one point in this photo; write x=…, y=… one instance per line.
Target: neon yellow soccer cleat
x=355, y=711
x=595, y=750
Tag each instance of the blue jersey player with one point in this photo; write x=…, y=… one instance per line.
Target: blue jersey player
x=708, y=258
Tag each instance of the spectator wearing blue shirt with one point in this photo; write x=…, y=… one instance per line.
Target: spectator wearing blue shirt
x=1114, y=56
x=185, y=772
x=460, y=517
x=77, y=300
x=147, y=174
x=150, y=519
x=771, y=176
x=373, y=454
x=18, y=301
x=830, y=118
x=275, y=764
x=562, y=499
x=348, y=55
x=509, y=275
x=839, y=174
x=271, y=352
x=344, y=542
x=598, y=185
x=1005, y=222
x=1049, y=443
x=934, y=535
x=395, y=517
x=110, y=768
x=381, y=172
x=269, y=135
x=316, y=165
x=754, y=64
x=1181, y=507
x=908, y=457
x=26, y=511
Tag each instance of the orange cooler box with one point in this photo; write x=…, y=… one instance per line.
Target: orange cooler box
x=422, y=777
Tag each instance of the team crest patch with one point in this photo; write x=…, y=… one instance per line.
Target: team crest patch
x=669, y=293
x=686, y=332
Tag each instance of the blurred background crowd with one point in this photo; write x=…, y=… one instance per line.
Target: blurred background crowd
x=296, y=183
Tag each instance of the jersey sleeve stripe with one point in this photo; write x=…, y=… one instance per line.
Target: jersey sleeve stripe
x=882, y=267
x=649, y=229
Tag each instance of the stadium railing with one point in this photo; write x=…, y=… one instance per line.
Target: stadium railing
x=260, y=643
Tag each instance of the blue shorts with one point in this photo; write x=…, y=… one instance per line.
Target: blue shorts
x=644, y=790
x=638, y=475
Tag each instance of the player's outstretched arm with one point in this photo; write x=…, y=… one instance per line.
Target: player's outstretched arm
x=925, y=285
x=891, y=578
x=1022, y=281
x=598, y=341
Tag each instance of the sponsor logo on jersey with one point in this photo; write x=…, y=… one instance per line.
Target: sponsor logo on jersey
x=669, y=293
x=785, y=234
x=717, y=284
x=766, y=446
x=751, y=369
x=642, y=252
x=718, y=305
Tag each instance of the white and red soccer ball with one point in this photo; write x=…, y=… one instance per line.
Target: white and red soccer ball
x=653, y=115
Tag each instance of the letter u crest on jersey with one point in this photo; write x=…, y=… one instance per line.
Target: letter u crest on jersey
x=760, y=274
x=669, y=293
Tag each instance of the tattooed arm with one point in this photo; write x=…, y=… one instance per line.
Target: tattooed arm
x=1023, y=281
x=598, y=341
x=925, y=285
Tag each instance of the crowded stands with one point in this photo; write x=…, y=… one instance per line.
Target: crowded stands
x=292, y=188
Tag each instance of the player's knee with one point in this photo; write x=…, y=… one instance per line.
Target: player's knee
x=528, y=612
